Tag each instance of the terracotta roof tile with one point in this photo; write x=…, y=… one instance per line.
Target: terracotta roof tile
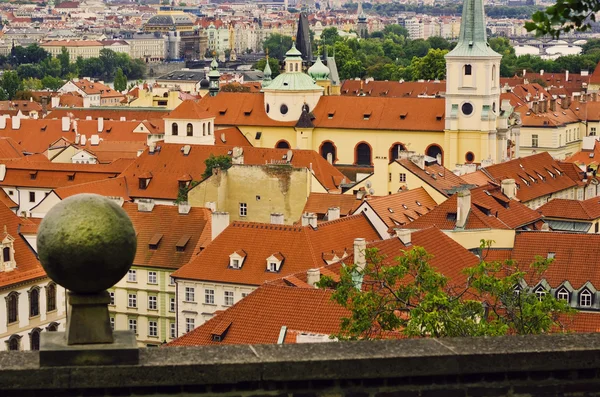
x=189, y=110
x=399, y=89
x=572, y=209
x=437, y=176
x=402, y=208
x=319, y=203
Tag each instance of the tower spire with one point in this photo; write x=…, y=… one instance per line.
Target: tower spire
x=472, y=40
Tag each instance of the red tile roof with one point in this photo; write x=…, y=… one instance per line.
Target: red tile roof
x=490, y=209
x=437, y=176
x=402, y=208
x=111, y=187
x=189, y=110
x=109, y=113
x=548, y=176
x=572, y=209
x=399, y=89
x=175, y=228
x=302, y=248
x=576, y=256
x=319, y=203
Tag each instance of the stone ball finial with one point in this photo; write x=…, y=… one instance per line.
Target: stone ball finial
x=86, y=243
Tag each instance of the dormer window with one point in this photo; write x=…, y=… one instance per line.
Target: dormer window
x=8, y=253
x=562, y=294
x=551, y=255
x=274, y=262
x=236, y=260
x=540, y=292
x=585, y=298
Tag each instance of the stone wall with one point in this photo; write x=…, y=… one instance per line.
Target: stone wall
x=556, y=365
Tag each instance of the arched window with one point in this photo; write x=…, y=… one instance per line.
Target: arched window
x=12, y=307
x=34, y=302
x=434, y=150
x=174, y=129
x=203, y=129
x=395, y=151
x=34, y=339
x=468, y=70
x=362, y=154
x=283, y=144
x=51, y=297
x=52, y=327
x=6, y=254
x=190, y=129
x=585, y=298
x=14, y=342
x=469, y=157
x=328, y=150
x=562, y=294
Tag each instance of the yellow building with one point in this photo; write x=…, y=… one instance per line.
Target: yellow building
x=76, y=48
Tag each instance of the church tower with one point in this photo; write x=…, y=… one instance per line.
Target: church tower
x=472, y=92
x=214, y=78
x=361, y=26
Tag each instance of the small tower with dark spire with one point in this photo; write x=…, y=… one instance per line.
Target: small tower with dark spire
x=214, y=78
x=361, y=25
x=267, y=73
x=303, y=39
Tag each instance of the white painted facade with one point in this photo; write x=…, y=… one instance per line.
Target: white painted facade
x=190, y=132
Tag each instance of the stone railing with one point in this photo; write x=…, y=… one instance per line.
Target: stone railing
x=547, y=365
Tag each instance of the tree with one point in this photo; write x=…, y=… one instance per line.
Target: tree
x=330, y=36
x=563, y=17
x=430, y=67
x=410, y=297
x=231, y=87
x=120, y=81
x=223, y=162
x=52, y=83
x=352, y=69
x=65, y=61
x=32, y=84
x=11, y=83
x=278, y=45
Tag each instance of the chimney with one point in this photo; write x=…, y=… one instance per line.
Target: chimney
x=151, y=147
x=277, y=219
x=419, y=160
x=553, y=105
x=2, y=122
x=404, y=235
x=313, y=276
x=184, y=208
x=542, y=72
x=100, y=124
x=565, y=103
x=220, y=221
x=333, y=213
x=545, y=227
x=509, y=188
x=566, y=75
x=2, y=172
x=360, y=259
x=309, y=219
x=55, y=102
x=360, y=194
x=211, y=205
x=16, y=122
x=524, y=72
x=66, y=123
x=463, y=200
x=145, y=205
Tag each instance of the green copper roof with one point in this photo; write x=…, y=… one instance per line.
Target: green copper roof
x=214, y=69
x=292, y=81
x=319, y=71
x=293, y=52
x=267, y=73
x=472, y=41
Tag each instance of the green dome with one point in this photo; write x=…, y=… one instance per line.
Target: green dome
x=296, y=81
x=319, y=71
x=293, y=52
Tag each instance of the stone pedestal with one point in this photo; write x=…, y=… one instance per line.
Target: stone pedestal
x=54, y=351
x=89, y=322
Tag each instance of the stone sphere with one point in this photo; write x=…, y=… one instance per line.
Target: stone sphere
x=86, y=243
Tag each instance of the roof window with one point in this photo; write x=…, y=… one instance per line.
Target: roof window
x=155, y=241
x=180, y=246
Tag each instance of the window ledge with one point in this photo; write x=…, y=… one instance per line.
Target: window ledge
x=195, y=303
x=153, y=310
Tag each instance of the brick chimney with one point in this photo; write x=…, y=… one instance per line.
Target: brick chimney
x=309, y=219
x=463, y=201
x=333, y=213
x=219, y=222
x=360, y=259
x=277, y=219
x=509, y=188
x=313, y=276
x=405, y=236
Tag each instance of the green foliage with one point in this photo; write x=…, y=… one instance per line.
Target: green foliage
x=410, y=297
x=330, y=36
x=11, y=83
x=563, y=17
x=273, y=63
x=430, y=67
x=52, y=83
x=120, y=82
x=234, y=88
x=222, y=162
x=278, y=45
x=32, y=84
x=182, y=193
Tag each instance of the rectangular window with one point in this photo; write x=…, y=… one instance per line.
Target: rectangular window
x=189, y=294
x=243, y=209
x=244, y=294
x=112, y=323
x=390, y=177
x=173, y=331
x=402, y=177
x=209, y=296
x=272, y=267
x=593, y=131
x=112, y=298
x=534, y=141
x=171, y=281
x=152, y=303
x=32, y=197
x=132, y=276
x=152, y=279
x=133, y=325
x=172, y=305
x=189, y=324
x=228, y=298
x=132, y=300
x=152, y=328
